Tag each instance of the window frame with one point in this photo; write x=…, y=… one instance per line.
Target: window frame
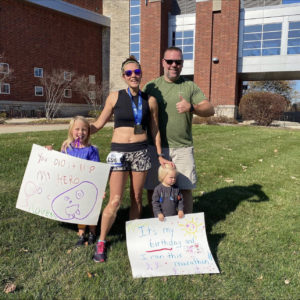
x=36, y=87
x=3, y=68
x=65, y=93
x=38, y=75
x=67, y=76
x=5, y=85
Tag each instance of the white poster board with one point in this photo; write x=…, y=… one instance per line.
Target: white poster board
x=173, y=247
x=62, y=187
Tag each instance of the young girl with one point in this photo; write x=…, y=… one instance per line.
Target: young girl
x=78, y=144
x=166, y=199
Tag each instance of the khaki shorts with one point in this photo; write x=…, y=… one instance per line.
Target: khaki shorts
x=183, y=158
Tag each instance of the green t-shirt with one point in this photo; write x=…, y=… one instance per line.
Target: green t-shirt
x=175, y=128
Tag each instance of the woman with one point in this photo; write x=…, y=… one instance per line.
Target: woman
x=134, y=113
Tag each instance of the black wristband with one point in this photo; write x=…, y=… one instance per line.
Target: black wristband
x=192, y=108
x=160, y=155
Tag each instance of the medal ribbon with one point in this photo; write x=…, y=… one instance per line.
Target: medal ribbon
x=137, y=111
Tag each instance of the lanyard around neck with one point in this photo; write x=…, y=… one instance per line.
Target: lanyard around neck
x=137, y=111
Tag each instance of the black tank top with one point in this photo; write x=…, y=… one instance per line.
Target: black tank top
x=123, y=113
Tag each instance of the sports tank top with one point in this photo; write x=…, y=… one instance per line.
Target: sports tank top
x=123, y=113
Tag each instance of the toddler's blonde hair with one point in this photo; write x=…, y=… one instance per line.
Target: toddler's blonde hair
x=163, y=171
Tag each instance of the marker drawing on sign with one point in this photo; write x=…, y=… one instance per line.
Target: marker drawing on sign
x=168, y=249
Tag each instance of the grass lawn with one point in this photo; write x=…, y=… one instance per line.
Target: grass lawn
x=248, y=188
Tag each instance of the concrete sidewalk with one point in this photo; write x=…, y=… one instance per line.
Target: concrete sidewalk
x=21, y=125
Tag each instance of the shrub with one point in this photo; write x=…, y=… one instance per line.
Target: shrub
x=262, y=107
x=214, y=120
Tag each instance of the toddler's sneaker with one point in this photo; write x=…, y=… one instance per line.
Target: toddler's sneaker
x=100, y=253
x=80, y=241
x=91, y=238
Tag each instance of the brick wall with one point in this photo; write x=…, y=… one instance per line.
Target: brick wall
x=93, y=5
x=222, y=27
x=154, y=37
x=33, y=36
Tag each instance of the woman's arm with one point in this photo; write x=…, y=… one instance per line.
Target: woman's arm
x=155, y=129
x=106, y=113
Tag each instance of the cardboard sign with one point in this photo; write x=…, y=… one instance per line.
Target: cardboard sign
x=62, y=187
x=172, y=247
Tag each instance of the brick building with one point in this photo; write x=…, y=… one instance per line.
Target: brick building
x=224, y=42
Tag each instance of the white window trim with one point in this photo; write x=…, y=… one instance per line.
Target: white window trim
x=7, y=85
x=92, y=79
x=92, y=95
x=37, y=69
x=65, y=91
x=3, y=68
x=67, y=76
x=35, y=90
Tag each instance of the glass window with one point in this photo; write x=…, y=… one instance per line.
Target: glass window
x=262, y=39
x=4, y=88
x=294, y=38
x=134, y=29
x=38, y=91
x=134, y=38
x=253, y=28
x=67, y=93
x=4, y=68
x=185, y=41
x=92, y=79
x=92, y=95
x=290, y=1
x=135, y=23
x=67, y=76
x=38, y=72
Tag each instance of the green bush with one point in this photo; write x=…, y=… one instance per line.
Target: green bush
x=214, y=120
x=262, y=107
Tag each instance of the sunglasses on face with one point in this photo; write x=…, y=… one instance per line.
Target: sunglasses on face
x=128, y=73
x=178, y=62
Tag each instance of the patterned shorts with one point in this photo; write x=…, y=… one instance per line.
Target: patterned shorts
x=137, y=161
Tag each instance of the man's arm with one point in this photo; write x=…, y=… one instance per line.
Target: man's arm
x=203, y=109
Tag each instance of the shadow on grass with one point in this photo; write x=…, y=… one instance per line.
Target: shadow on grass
x=218, y=204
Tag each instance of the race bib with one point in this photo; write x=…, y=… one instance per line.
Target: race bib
x=115, y=159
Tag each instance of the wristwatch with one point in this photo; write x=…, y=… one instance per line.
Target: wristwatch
x=192, y=108
x=160, y=155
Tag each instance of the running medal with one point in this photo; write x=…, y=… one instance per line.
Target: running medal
x=137, y=113
x=138, y=129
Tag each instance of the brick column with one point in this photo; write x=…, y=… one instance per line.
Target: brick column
x=217, y=36
x=154, y=36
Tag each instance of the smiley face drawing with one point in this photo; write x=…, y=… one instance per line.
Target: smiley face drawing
x=75, y=203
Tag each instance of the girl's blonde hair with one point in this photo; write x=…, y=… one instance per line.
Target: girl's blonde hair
x=130, y=59
x=163, y=171
x=70, y=138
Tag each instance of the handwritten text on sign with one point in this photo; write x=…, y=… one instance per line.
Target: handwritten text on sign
x=62, y=187
x=173, y=247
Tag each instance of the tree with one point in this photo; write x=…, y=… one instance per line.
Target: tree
x=92, y=92
x=285, y=88
x=55, y=85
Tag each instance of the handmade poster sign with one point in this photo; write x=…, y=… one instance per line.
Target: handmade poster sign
x=62, y=187
x=173, y=247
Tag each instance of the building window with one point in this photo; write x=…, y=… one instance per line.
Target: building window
x=68, y=93
x=67, y=76
x=294, y=38
x=4, y=88
x=185, y=41
x=4, y=68
x=38, y=72
x=92, y=79
x=290, y=1
x=135, y=25
x=262, y=39
x=38, y=91
x=92, y=95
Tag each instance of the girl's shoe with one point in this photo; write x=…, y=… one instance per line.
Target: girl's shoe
x=100, y=253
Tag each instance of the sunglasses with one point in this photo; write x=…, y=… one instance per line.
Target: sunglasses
x=171, y=61
x=128, y=73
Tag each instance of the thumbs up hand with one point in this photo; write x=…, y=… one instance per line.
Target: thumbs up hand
x=183, y=106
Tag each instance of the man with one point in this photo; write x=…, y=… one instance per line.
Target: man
x=178, y=99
